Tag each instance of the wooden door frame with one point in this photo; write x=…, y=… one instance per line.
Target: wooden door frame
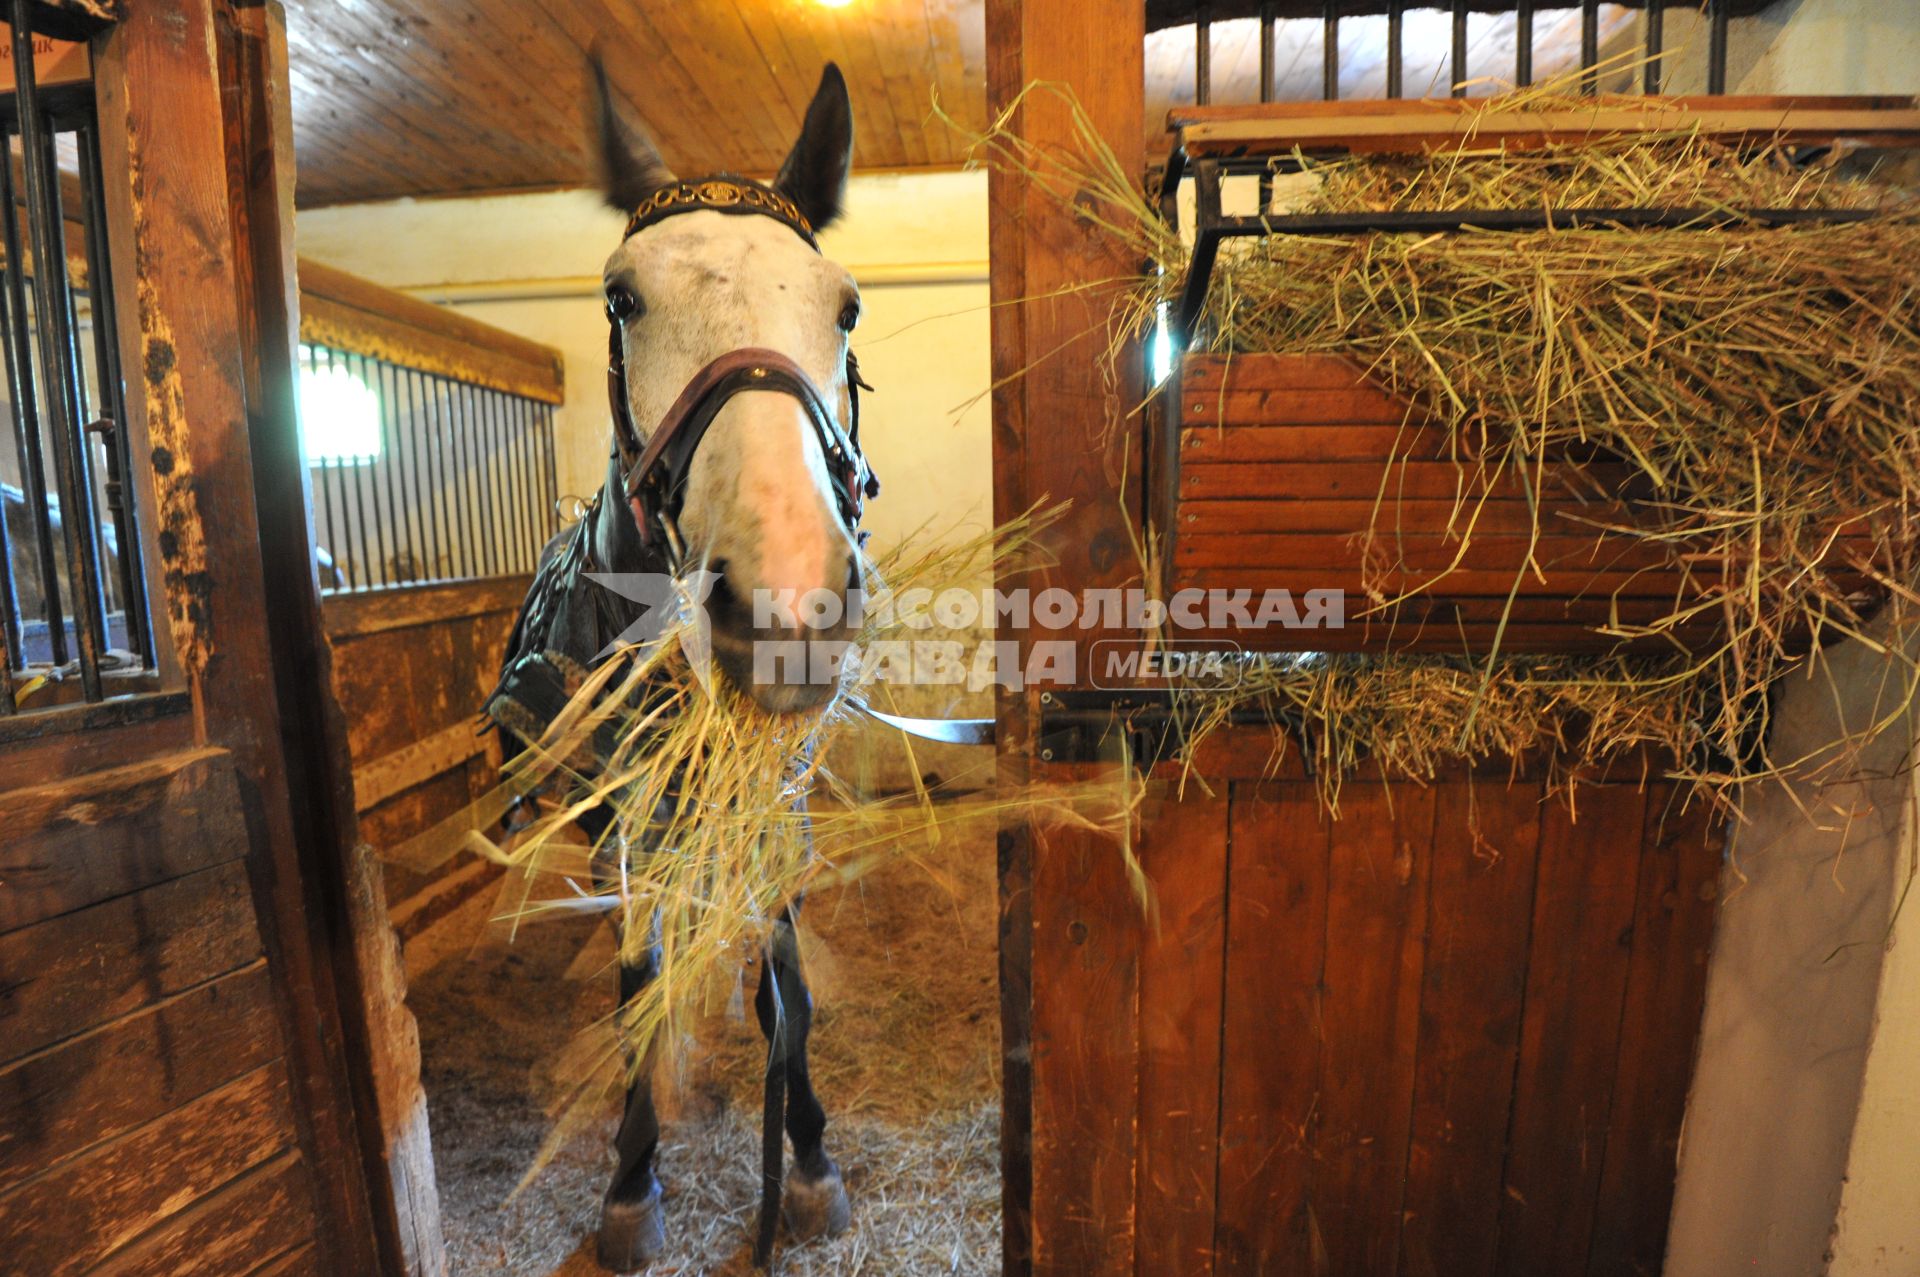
x=1058, y=433
x=193, y=110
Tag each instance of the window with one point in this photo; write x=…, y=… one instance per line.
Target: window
x=339, y=412
x=73, y=594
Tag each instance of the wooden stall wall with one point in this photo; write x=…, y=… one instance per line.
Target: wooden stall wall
x=411, y=667
x=1450, y=1032
x=175, y=1076
x=412, y=664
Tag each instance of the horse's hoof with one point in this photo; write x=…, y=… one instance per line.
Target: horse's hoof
x=633, y=1232
x=817, y=1203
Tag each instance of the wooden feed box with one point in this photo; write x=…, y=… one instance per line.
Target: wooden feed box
x=1296, y=472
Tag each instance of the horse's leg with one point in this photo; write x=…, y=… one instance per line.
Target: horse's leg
x=814, y=1199
x=632, y=1223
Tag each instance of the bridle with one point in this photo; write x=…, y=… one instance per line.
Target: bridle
x=653, y=470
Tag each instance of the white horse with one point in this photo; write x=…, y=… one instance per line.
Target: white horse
x=735, y=450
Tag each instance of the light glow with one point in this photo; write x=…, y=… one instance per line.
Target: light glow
x=339, y=417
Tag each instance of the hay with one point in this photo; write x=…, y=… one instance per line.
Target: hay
x=710, y=838
x=1763, y=382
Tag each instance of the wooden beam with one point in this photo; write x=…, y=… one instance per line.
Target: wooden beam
x=415, y=764
x=352, y=314
x=1426, y=125
x=406, y=606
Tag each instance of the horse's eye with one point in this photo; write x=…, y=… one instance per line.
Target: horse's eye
x=849, y=316
x=622, y=303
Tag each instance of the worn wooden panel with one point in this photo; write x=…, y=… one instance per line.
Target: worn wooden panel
x=1576, y=977
x=1659, y=1030
x=1378, y=863
x=64, y=976
x=255, y=1219
x=1479, y=916
x=1270, y=1082
x=1086, y=1056
x=94, y=1087
x=68, y=1219
x=77, y=841
x=1181, y=990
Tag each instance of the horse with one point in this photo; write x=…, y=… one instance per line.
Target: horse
x=728, y=335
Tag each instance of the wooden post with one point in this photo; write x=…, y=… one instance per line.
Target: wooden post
x=170, y=106
x=344, y=880
x=1069, y=928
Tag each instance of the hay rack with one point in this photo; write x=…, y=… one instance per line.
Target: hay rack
x=1266, y=470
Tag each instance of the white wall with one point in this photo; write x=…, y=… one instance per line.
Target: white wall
x=531, y=264
x=1801, y=1151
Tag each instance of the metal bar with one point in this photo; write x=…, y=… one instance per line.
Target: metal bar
x=77, y=523
x=1523, y=43
x=1193, y=294
x=543, y=498
x=480, y=511
x=26, y=413
x=1266, y=50
x=1265, y=184
x=530, y=490
x=1206, y=246
x=351, y=473
x=1396, y=54
x=1203, y=54
x=436, y=504
x=1459, y=87
x=368, y=477
x=1330, y=50
x=310, y=367
x=491, y=497
x=379, y=469
x=518, y=532
x=398, y=511
x=518, y=424
x=553, y=466
x=459, y=554
x=115, y=441
x=1656, y=38
x=12, y=651
x=396, y=463
x=1717, y=14
x=7, y=702
x=469, y=488
x=419, y=496
x=1589, y=44
x=90, y=474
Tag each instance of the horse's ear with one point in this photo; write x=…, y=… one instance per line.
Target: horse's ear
x=630, y=167
x=815, y=174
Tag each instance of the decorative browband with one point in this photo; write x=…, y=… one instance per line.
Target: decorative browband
x=722, y=194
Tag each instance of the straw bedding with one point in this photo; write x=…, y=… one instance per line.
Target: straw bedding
x=905, y=1055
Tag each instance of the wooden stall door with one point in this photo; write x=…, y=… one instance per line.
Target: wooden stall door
x=176, y=1060
x=1449, y=1032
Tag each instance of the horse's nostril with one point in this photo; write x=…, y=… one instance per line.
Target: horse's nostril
x=723, y=605
x=853, y=572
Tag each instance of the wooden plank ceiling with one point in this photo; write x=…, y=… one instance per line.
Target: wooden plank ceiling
x=430, y=97
x=437, y=97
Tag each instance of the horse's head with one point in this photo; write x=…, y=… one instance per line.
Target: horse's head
x=759, y=501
